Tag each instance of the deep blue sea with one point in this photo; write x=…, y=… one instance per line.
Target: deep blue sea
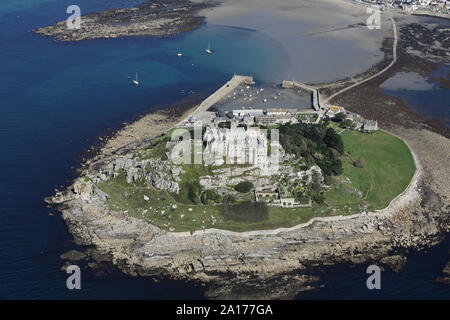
x=57, y=98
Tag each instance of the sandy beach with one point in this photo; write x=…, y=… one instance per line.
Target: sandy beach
x=314, y=34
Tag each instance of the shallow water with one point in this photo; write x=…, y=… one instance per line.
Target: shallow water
x=423, y=96
x=319, y=51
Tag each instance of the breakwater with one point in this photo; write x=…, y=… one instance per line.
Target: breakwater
x=228, y=87
x=314, y=91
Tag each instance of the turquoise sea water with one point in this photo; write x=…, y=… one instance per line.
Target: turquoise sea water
x=56, y=98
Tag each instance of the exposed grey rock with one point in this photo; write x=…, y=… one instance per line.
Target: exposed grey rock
x=102, y=195
x=73, y=255
x=84, y=189
x=157, y=18
x=157, y=172
x=396, y=262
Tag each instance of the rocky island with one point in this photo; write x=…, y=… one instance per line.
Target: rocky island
x=158, y=18
x=353, y=195
x=154, y=218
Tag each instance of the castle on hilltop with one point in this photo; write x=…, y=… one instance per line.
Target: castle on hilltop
x=239, y=145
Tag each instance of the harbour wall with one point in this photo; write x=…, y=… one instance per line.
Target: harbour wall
x=228, y=87
x=295, y=84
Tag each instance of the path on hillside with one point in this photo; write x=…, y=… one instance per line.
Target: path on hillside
x=394, y=55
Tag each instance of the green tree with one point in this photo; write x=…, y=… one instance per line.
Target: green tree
x=333, y=140
x=209, y=196
x=339, y=117
x=229, y=198
x=193, y=191
x=347, y=123
x=244, y=186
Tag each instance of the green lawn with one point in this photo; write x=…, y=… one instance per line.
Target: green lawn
x=311, y=116
x=389, y=165
x=387, y=171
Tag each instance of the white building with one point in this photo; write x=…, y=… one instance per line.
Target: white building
x=370, y=125
x=244, y=112
x=276, y=111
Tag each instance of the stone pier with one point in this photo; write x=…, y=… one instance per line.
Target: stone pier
x=295, y=84
x=227, y=88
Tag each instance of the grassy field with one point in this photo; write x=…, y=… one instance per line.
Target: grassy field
x=388, y=168
x=159, y=210
x=311, y=116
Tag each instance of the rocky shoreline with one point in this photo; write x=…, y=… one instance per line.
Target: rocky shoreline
x=216, y=257
x=270, y=264
x=158, y=18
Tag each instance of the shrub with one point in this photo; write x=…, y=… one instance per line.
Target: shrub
x=244, y=186
x=317, y=197
x=347, y=123
x=317, y=144
x=316, y=186
x=193, y=191
x=229, y=198
x=328, y=180
x=359, y=163
x=339, y=117
x=209, y=196
x=299, y=195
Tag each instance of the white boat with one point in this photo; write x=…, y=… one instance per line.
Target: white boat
x=208, y=50
x=180, y=54
x=135, y=81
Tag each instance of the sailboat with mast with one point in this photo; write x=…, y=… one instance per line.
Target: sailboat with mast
x=208, y=50
x=136, y=81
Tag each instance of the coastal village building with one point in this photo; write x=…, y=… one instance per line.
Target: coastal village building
x=267, y=120
x=270, y=116
x=287, y=202
x=266, y=192
x=276, y=111
x=247, y=112
x=370, y=125
x=360, y=122
x=333, y=110
x=356, y=118
x=272, y=195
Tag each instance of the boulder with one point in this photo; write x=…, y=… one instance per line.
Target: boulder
x=73, y=255
x=85, y=189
